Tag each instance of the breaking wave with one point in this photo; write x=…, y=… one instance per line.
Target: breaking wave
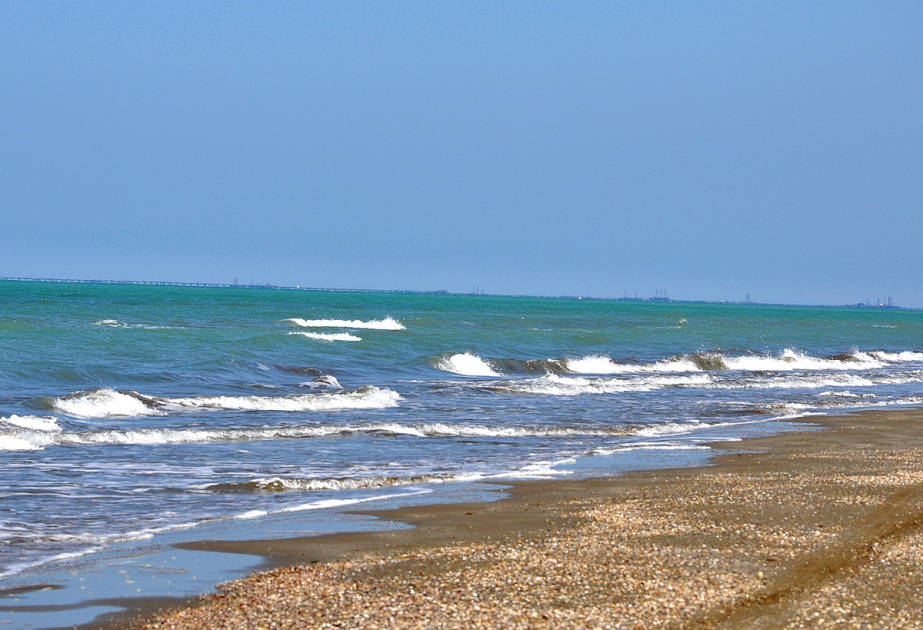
x=595, y=364
x=322, y=382
x=105, y=403
x=469, y=364
x=288, y=484
x=327, y=336
x=37, y=440
x=110, y=403
x=388, y=323
x=562, y=385
x=555, y=385
x=33, y=423
x=790, y=360
x=22, y=441
x=465, y=364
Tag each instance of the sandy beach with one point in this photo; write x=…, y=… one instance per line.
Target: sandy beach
x=820, y=529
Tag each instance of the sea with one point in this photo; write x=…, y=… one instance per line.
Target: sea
x=132, y=413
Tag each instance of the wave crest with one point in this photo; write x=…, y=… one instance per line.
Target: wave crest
x=46, y=424
x=469, y=364
x=388, y=323
x=110, y=403
x=114, y=323
x=106, y=403
x=555, y=385
x=465, y=364
x=595, y=364
x=327, y=336
x=36, y=440
x=290, y=484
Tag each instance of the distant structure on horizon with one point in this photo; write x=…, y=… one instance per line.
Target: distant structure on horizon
x=879, y=303
x=660, y=295
x=477, y=289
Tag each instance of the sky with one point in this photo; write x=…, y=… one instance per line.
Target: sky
x=710, y=150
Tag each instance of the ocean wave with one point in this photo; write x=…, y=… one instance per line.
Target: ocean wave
x=105, y=403
x=791, y=360
x=453, y=430
x=848, y=403
x=327, y=336
x=37, y=440
x=845, y=394
x=648, y=446
x=110, y=403
x=788, y=361
x=465, y=364
x=469, y=364
x=802, y=382
x=362, y=398
x=530, y=366
x=388, y=323
x=555, y=385
x=595, y=364
x=47, y=424
x=897, y=357
x=289, y=484
x=114, y=323
x=23, y=441
x=322, y=382
x=552, y=384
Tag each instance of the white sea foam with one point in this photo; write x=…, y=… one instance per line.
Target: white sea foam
x=250, y=515
x=670, y=428
x=466, y=364
x=469, y=364
x=898, y=357
x=547, y=469
x=789, y=360
x=802, y=382
x=555, y=385
x=651, y=446
x=844, y=394
x=596, y=364
x=332, y=503
x=103, y=403
x=453, y=430
x=362, y=398
x=33, y=423
x=387, y=323
x=327, y=336
x=802, y=409
x=19, y=441
x=325, y=381
x=36, y=440
x=114, y=323
x=110, y=403
x=288, y=484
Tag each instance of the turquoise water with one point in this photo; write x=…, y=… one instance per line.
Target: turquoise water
x=134, y=411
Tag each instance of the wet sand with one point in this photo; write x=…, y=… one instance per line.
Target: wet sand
x=803, y=530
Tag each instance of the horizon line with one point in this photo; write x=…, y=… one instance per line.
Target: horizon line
x=269, y=286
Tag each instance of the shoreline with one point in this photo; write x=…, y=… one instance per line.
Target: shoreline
x=775, y=529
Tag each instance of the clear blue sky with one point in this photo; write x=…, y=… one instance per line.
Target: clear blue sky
x=713, y=150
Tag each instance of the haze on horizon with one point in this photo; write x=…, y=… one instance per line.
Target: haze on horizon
x=715, y=151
